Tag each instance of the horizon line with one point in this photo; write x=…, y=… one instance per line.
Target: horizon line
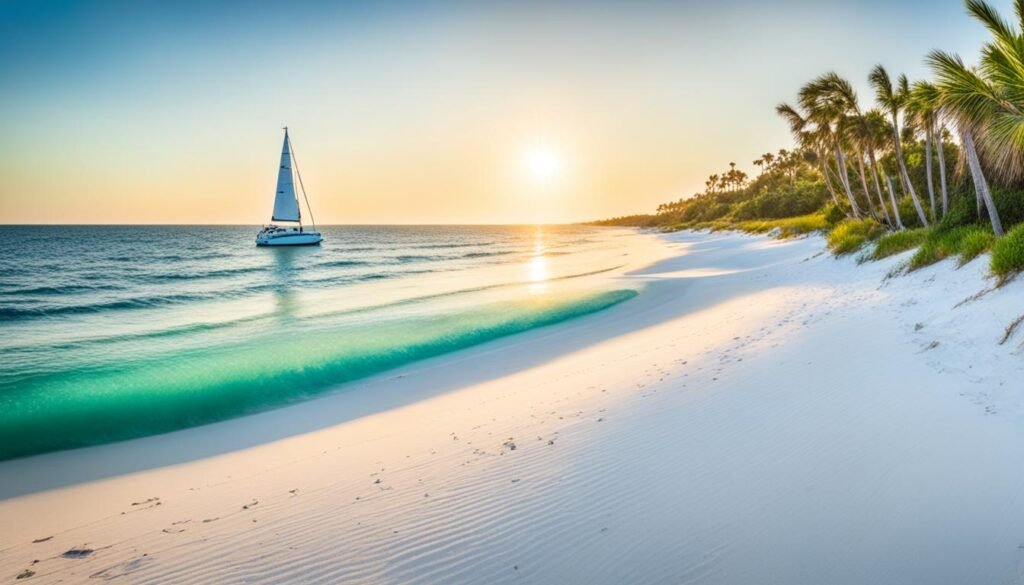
x=3, y=225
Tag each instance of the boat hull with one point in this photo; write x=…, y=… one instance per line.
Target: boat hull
x=290, y=239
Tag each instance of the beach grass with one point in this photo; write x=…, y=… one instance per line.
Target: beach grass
x=788, y=226
x=966, y=242
x=896, y=242
x=976, y=243
x=1008, y=253
x=852, y=234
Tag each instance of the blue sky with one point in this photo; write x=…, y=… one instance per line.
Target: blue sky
x=416, y=112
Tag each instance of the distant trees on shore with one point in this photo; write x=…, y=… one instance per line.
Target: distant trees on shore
x=925, y=153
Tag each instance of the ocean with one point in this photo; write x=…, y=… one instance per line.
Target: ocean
x=114, y=332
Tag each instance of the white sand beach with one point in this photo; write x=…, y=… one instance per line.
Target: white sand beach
x=761, y=413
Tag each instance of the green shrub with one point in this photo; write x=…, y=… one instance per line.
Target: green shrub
x=896, y=242
x=1010, y=205
x=851, y=234
x=787, y=200
x=962, y=211
x=1008, y=253
x=908, y=213
x=834, y=214
x=703, y=208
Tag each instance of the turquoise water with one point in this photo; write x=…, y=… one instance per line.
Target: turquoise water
x=111, y=333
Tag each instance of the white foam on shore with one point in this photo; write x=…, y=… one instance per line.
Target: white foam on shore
x=761, y=413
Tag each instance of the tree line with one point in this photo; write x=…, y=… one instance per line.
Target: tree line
x=922, y=153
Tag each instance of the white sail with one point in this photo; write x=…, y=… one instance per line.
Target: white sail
x=286, y=206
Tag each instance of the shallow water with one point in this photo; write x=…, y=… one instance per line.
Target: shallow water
x=117, y=332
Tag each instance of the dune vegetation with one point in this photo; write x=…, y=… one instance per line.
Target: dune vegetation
x=935, y=165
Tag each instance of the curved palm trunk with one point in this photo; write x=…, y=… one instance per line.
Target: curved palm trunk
x=878, y=187
x=904, y=175
x=892, y=197
x=942, y=173
x=895, y=208
x=928, y=168
x=845, y=180
x=828, y=182
x=980, y=184
x=864, y=185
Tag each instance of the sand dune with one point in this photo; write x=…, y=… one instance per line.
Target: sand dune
x=761, y=413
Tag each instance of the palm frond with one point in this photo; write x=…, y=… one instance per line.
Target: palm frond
x=990, y=18
x=963, y=93
x=797, y=122
x=882, y=84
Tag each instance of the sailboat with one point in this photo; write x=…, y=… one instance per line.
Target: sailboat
x=286, y=208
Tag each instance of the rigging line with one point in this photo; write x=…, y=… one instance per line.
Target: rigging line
x=295, y=163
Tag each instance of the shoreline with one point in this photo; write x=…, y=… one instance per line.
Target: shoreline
x=212, y=340
x=760, y=402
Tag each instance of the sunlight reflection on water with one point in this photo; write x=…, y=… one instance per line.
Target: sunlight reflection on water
x=537, y=268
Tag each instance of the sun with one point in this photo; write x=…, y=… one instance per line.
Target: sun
x=543, y=164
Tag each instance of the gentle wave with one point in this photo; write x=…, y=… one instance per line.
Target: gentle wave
x=443, y=246
x=12, y=313
x=188, y=276
x=406, y=258
x=226, y=324
x=64, y=289
x=487, y=254
x=70, y=409
x=15, y=313
x=343, y=263
x=462, y=291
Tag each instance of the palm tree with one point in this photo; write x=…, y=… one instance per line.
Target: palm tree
x=987, y=104
x=922, y=109
x=892, y=197
x=809, y=139
x=712, y=184
x=826, y=111
x=850, y=126
x=1001, y=140
x=893, y=100
x=875, y=131
x=971, y=103
x=941, y=145
x=858, y=132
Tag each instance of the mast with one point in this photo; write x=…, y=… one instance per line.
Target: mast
x=291, y=151
x=301, y=186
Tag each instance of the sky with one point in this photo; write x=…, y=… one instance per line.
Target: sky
x=138, y=112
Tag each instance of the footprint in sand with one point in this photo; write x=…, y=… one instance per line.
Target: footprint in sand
x=122, y=569
x=173, y=530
